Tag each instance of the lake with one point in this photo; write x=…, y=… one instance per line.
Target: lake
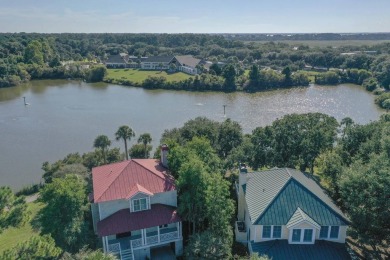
x=66, y=116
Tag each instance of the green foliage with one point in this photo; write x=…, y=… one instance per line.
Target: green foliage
x=328, y=78
x=96, y=73
x=88, y=254
x=102, y=142
x=229, y=136
x=295, y=140
x=13, y=210
x=145, y=139
x=329, y=168
x=370, y=84
x=63, y=215
x=365, y=193
x=229, y=73
x=207, y=245
x=33, y=53
x=125, y=133
x=192, y=182
x=140, y=151
x=37, y=248
x=379, y=100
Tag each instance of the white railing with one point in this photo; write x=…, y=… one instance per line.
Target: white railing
x=115, y=248
x=169, y=236
x=152, y=240
x=136, y=243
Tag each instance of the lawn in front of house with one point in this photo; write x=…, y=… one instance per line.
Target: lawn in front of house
x=137, y=76
x=10, y=237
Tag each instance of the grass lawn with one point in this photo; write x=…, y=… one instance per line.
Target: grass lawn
x=137, y=76
x=10, y=237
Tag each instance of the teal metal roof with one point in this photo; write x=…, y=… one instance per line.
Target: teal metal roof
x=273, y=197
x=321, y=250
x=298, y=217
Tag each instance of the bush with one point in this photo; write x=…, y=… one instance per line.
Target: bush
x=383, y=100
x=370, y=84
x=30, y=189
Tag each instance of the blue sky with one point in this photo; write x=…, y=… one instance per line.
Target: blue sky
x=196, y=16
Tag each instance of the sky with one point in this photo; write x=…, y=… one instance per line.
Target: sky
x=196, y=16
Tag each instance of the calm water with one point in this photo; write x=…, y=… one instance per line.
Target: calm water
x=66, y=116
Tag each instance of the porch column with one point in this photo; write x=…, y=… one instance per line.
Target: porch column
x=104, y=245
x=158, y=233
x=178, y=228
x=143, y=233
x=106, y=242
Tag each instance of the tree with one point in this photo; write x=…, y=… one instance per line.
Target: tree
x=33, y=53
x=230, y=136
x=13, y=210
x=139, y=151
x=102, y=142
x=207, y=245
x=215, y=67
x=63, y=215
x=287, y=76
x=254, y=78
x=229, y=73
x=96, y=73
x=145, y=139
x=330, y=167
x=365, y=192
x=36, y=248
x=192, y=182
x=125, y=133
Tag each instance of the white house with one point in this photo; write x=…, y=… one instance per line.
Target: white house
x=285, y=214
x=134, y=208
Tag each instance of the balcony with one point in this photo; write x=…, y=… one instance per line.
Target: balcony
x=126, y=245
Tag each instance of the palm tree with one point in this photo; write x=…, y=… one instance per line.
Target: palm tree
x=125, y=133
x=145, y=139
x=103, y=143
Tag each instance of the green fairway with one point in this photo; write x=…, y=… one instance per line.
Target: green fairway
x=137, y=76
x=10, y=237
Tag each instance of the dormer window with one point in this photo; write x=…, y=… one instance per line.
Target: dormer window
x=141, y=204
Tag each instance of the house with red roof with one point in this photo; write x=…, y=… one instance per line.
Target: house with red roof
x=134, y=207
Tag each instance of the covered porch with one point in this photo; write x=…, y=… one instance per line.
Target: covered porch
x=124, y=232
x=145, y=238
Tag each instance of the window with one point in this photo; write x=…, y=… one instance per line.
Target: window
x=140, y=204
x=163, y=226
x=334, y=232
x=324, y=232
x=277, y=232
x=329, y=232
x=266, y=231
x=296, y=235
x=308, y=235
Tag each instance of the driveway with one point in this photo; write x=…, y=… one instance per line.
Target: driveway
x=162, y=253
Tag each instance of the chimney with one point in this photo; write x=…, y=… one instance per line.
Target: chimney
x=242, y=177
x=164, y=155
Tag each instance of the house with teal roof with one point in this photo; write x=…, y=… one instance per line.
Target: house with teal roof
x=285, y=214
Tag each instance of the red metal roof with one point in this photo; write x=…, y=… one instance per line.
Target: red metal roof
x=124, y=221
x=119, y=180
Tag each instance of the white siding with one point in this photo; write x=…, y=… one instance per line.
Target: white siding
x=108, y=208
x=166, y=198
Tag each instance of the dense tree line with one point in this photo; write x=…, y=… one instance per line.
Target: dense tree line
x=34, y=56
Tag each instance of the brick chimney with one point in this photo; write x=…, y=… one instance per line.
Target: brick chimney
x=164, y=155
